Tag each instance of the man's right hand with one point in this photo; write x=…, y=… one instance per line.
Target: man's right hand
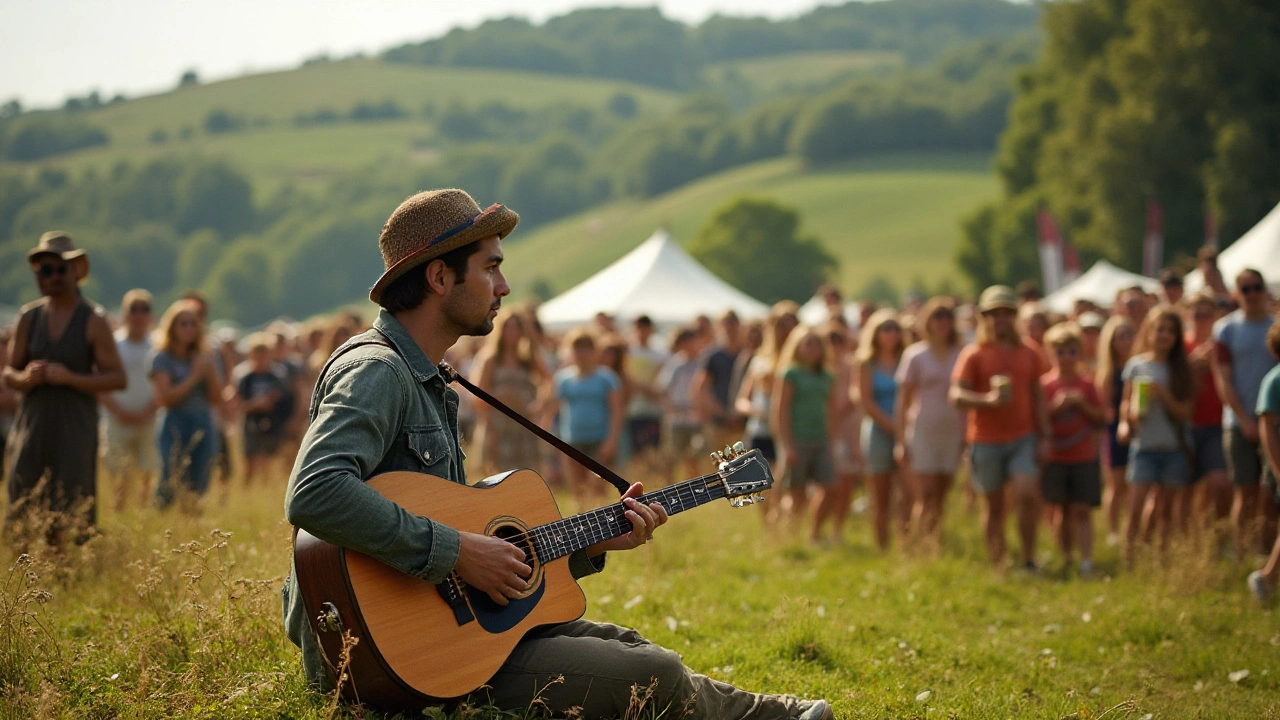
x=492, y=566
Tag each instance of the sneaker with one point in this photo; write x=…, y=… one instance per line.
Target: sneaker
x=1086, y=568
x=1031, y=568
x=1113, y=539
x=815, y=710
x=1258, y=585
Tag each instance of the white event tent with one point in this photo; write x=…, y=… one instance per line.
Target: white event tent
x=815, y=312
x=658, y=279
x=1099, y=285
x=1258, y=249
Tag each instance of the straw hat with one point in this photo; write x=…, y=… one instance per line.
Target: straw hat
x=996, y=297
x=431, y=224
x=57, y=242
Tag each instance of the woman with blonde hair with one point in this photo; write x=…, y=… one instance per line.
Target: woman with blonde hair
x=509, y=366
x=1115, y=344
x=188, y=387
x=879, y=352
x=757, y=385
x=802, y=410
x=930, y=429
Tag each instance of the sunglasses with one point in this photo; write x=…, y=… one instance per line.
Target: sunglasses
x=1252, y=288
x=48, y=270
x=139, y=309
x=1067, y=351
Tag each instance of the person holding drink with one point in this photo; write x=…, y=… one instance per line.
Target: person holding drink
x=1159, y=394
x=997, y=379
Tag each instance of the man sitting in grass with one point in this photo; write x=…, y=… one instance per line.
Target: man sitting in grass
x=1072, y=479
x=1263, y=582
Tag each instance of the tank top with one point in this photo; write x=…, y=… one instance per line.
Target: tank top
x=884, y=388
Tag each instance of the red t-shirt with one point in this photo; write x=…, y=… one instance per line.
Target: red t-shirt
x=1207, y=411
x=1021, y=364
x=1075, y=439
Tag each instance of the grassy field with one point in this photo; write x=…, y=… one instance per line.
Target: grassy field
x=271, y=149
x=892, y=216
x=800, y=71
x=166, y=616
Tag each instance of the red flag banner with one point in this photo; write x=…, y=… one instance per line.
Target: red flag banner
x=1050, y=250
x=1070, y=262
x=1153, y=243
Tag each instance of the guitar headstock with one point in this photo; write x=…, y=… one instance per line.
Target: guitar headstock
x=745, y=474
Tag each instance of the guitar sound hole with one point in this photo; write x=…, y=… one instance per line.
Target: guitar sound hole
x=518, y=536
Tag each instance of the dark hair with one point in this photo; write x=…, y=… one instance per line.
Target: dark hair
x=1170, y=276
x=408, y=291
x=1250, y=271
x=644, y=320
x=1181, y=381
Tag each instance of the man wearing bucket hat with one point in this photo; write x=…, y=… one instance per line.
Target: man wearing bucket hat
x=381, y=404
x=62, y=354
x=997, y=379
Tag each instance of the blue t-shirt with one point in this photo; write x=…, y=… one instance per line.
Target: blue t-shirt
x=584, y=409
x=1269, y=393
x=178, y=371
x=1243, y=343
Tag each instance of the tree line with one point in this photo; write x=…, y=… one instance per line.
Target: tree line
x=641, y=45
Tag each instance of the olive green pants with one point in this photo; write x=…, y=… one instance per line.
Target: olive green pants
x=611, y=672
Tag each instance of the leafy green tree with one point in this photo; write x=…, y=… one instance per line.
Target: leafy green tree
x=213, y=195
x=1172, y=100
x=242, y=285
x=754, y=245
x=197, y=255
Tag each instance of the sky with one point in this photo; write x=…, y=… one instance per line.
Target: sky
x=52, y=49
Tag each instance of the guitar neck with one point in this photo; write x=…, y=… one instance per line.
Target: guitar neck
x=568, y=535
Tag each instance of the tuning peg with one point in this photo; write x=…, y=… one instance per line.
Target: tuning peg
x=737, y=502
x=718, y=457
x=739, y=448
x=757, y=498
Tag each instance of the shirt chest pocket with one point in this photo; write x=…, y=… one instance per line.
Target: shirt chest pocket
x=428, y=450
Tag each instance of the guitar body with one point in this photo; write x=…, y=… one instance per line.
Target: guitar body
x=414, y=648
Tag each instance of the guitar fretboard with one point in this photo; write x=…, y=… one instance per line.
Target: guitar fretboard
x=568, y=535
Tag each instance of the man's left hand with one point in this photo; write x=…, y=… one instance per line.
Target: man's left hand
x=644, y=520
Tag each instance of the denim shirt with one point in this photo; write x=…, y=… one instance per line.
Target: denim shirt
x=374, y=410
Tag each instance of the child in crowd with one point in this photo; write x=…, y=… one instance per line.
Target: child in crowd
x=802, y=409
x=1159, y=391
x=259, y=388
x=675, y=382
x=591, y=410
x=1114, y=348
x=1072, y=478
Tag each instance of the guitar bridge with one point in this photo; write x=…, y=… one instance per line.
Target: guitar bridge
x=451, y=591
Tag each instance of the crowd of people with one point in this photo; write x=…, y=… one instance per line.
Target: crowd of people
x=1161, y=410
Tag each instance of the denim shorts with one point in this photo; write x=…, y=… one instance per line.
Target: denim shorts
x=1206, y=445
x=994, y=463
x=1159, y=467
x=877, y=448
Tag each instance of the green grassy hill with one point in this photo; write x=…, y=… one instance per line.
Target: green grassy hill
x=891, y=216
x=270, y=148
x=801, y=70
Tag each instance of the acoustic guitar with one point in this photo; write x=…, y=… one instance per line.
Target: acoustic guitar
x=417, y=643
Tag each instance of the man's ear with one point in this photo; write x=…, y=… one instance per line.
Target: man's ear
x=439, y=279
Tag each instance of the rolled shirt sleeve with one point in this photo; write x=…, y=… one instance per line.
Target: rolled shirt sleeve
x=327, y=495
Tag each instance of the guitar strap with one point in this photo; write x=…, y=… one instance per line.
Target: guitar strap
x=450, y=375
x=583, y=459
